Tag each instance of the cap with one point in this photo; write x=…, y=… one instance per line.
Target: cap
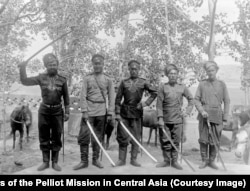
x=170, y=67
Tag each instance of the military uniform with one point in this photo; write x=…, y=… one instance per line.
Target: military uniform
x=92, y=101
x=169, y=106
x=131, y=90
x=209, y=97
x=50, y=114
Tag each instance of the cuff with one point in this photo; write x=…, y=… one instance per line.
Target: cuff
x=67, y=109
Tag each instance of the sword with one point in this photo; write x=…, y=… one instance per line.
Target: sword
x=165, y=133
x=104, y=151
x=103, y=136
x=63, y=137
x=182, y=135
x=215, y=143
x=124, y=127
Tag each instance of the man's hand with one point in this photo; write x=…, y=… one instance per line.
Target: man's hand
x=184, y=114
x=160, y=122
x=118, y=117
x=85, y=116
x=109, y=118
x=22, y=64
x=66, y=117
x=224, y=123
x=141, y=105
x=204, y=114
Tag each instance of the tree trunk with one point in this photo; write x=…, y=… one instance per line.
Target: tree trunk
x=167, y=33
x=122, y=64
x=211, y=45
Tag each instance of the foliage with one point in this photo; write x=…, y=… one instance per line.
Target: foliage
x=142, y=22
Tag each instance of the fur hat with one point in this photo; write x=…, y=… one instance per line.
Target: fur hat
x=170, y=67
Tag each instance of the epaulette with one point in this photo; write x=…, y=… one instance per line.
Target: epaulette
x=143, y=78
x=62, y=76
x=106, y=75
x=125, y=79
x=89, y=74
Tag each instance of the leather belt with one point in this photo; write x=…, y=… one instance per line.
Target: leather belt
x=52, y=106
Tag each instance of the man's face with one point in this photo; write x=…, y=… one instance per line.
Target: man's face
x=173, y=76
x=98, y=64
x=134, y=69
x=211, y=72
x=52, y=66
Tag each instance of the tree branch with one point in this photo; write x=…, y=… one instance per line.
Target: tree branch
x=185, y=17
x=4, y=6
x=18, y=17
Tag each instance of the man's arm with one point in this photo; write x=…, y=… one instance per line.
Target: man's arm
x=31, y=81
x=118, y=98
x=159, y=103
x=152, y=91
x=111, y=97
x=226, y=101
x=66, y=97
x=83, y=95
x=197, y=100
x=187, y=94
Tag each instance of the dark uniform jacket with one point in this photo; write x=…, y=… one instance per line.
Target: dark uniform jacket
x=131, y=90
x=52, y=89
x=170, y=100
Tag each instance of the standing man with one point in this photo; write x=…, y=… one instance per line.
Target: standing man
x=54, y=90
x=210, y=95
x=96, y=88
x=131, y=111
x=170, y=115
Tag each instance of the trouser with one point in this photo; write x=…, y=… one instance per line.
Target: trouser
x=85, y=136
x=174, y=132
x=123, y=138
x=50, y=126
x=206, y=141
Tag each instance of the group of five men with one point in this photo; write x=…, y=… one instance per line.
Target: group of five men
x=99, y=105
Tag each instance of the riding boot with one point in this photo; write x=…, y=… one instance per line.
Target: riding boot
x=54, y=159
x=167, y=159
x=212, y=156
x=203, y=150
x=46, y=158
x=175, y=163
x=134, y=153
x=95, y=156
x=84, y=151
x=122, y=156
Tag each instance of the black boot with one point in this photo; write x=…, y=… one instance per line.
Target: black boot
x=204, y=158
x=46, y=158
x=55, y=166
x=134, y=153
x=122, y=156
x=175, y=163
x=96, y=153
x=167, y=159
x=84, y=151
x=212, y=156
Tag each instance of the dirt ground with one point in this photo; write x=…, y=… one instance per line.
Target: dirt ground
x=27, y=160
